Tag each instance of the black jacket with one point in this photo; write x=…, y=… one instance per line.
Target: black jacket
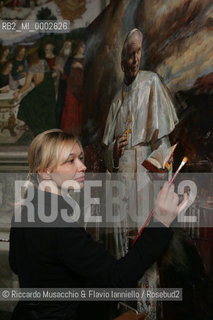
x=66, y=257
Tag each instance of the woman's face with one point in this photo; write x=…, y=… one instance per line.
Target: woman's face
x=72, y=168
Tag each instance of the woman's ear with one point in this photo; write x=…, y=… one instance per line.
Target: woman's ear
x=45, y=174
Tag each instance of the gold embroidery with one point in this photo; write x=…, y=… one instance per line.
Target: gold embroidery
x=128, y=120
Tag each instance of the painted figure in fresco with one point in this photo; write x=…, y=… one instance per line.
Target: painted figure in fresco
x=38, y=108
x=4, y=53
x=60, y=61
x=71, y=120
x=140, y=118
x=6, y=80
x=62, y=67
x=20, y=64
x=50, y=57
x=63, y=56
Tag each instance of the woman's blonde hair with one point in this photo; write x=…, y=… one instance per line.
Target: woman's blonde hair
x=45, y=153
x=45, y=150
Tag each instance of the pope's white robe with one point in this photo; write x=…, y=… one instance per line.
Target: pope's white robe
x=146, y=106
x=150, y=107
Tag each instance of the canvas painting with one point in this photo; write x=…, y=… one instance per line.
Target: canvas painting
x=63, y=65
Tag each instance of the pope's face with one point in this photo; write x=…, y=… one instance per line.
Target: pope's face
x=72, y=168
x=131, y=64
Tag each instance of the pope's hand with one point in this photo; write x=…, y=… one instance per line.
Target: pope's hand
x=119, y=146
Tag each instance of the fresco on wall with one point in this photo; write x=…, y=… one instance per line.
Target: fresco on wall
x=55, y=50
x=21, y=9
x=26, y=103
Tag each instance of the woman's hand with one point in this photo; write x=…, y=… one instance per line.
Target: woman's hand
x=167, y=207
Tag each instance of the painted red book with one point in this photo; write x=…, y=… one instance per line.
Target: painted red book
x=158, y=160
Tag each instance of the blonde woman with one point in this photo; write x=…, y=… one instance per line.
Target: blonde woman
x=45, y=257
